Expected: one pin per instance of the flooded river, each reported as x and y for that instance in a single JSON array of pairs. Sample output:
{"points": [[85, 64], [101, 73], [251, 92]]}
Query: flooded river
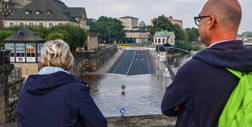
{"points": [[143, 93]]}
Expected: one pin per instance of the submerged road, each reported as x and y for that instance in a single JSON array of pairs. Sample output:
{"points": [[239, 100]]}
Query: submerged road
{"points": [[133, 62]]}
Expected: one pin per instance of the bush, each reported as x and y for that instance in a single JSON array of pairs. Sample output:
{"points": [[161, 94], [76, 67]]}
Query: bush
{"points": [[197, 48]]}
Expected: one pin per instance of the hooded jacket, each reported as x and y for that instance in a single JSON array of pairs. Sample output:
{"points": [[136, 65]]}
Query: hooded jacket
{"points": [[202, 86], [57, 100]]}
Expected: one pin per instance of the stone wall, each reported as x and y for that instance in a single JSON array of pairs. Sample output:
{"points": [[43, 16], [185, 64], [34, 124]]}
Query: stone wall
{"points": [[9, 89], [14, 87], [132, 121], [5, 70], [92, 60], [142, 121], [27, 68], [98, 58]]}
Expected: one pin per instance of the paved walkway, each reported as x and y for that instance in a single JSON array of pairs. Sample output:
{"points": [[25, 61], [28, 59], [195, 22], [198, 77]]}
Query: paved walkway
{"points": [[158, 69]]}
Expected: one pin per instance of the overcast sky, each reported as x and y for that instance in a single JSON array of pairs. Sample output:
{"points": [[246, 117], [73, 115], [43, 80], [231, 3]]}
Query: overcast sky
{"points": [[147, 9]]}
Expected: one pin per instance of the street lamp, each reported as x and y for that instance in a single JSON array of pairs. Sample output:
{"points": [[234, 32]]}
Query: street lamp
{"points": [[166, 74]]}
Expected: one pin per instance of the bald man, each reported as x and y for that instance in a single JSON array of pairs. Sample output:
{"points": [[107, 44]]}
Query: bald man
{"points": [[202, 86]]}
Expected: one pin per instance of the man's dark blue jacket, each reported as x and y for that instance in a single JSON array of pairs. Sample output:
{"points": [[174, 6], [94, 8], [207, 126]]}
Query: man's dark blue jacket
{"points": [[57, 100], [202, 86]]}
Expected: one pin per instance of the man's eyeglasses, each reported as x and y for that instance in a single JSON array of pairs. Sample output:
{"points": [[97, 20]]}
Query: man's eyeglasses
{"points": [[197, 19]]}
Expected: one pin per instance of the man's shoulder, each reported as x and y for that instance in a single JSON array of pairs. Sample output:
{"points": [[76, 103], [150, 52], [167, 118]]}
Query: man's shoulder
{"points": [[193, 64]]}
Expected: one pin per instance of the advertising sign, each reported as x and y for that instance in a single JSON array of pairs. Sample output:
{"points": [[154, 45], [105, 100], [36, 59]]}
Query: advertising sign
{"points": [[162, 56]]}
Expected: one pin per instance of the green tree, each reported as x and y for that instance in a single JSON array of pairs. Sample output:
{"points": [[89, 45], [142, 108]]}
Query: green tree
{"points": [[178, 32], [60, 34], [91, 22], [161, 23], [6, 32], [193, 33], [110, 29], [247, 34], [73, 35], [184, 45], [39, 30]]}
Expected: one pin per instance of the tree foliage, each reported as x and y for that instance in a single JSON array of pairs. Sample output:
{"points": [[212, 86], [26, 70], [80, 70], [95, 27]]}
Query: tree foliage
{"points": [[73, 35], [110, 29], [184, 45], [162, 23], [247, 34], [191, 34]]}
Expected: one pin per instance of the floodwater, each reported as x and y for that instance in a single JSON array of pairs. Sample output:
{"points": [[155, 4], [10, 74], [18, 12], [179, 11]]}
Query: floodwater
{"points": [[142, 96]]}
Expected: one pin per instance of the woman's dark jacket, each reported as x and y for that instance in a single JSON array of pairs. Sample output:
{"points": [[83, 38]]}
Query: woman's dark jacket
{"points": [[202, 86], [57, 100]]}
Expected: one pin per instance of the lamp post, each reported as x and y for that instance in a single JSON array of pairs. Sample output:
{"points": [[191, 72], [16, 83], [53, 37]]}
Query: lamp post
{"points": [[166, 74]]}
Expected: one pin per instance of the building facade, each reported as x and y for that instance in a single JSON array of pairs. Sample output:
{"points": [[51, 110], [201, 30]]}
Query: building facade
{"points": [[163, 37], [129, 22], [7, 7], [138, 35], [133, 29], [25, 47], [47, 13]]}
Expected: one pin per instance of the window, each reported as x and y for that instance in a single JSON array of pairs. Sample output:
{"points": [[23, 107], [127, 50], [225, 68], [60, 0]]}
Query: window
{"points": [[50, 25], [41, 24], [31, 24], [163, 40], [38, 12], [10, 46], [28, 12], [49, 12], [30, 52], [21, 24], [11, 24], [159, 40], [20, 51]]}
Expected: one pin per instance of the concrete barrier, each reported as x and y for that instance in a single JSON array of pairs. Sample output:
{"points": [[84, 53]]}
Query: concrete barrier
{"points": [[131, 121]]}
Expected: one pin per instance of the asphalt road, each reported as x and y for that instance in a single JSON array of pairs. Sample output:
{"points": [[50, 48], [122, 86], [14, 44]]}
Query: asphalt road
{"points": [[133, 62]]}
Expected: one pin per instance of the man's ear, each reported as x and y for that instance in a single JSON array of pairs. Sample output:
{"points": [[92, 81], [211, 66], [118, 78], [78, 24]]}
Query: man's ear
{"points": [[212, 22]]}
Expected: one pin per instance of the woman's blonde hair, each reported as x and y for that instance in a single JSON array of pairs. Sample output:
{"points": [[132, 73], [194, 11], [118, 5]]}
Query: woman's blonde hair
{"points": [[56, 53]]}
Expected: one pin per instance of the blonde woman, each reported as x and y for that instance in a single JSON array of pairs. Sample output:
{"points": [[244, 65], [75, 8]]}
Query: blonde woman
{"points": [[53, 97]]}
